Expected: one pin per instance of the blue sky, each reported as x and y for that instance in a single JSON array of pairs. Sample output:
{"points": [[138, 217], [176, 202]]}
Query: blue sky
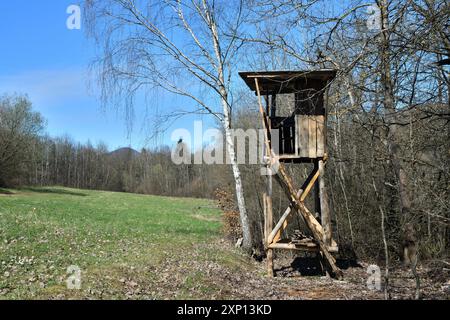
{"points": [[42, 58]]}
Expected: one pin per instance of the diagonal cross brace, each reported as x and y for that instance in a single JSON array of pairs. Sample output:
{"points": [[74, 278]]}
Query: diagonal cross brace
{"points": [[302, 194], [286, 183], [275, 234]]}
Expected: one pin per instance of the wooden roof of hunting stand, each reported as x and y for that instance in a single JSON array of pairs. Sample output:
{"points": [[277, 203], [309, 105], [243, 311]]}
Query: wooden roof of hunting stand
{"points": [[297, 138], [279, 82]]}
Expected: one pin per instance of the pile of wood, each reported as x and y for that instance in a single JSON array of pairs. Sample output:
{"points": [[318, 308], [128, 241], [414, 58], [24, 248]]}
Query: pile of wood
{"points": [[231, 220], [225, 199], [299, 237]]}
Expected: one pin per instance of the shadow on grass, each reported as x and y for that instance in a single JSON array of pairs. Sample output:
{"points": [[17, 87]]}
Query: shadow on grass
{"points": [[304, 266], [308, 266], [312, 266], [6, 192], [54, 191], [347, 263]]}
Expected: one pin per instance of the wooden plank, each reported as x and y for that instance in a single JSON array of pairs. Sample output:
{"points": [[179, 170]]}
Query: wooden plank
{"points": [[302, 194], [268, 197], [265, 120], [296, 202], [275, 235], [300, 246], [309, 186], [292, 246], [303, 136], [317, 193], [320, 136], [269, 205], [312, 137], [269, 223], [280, 230]]}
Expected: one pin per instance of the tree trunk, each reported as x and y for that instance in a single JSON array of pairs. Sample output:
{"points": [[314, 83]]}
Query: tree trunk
{"points": [[389, 104], [409, 241], [247, 231], [249, 236]]}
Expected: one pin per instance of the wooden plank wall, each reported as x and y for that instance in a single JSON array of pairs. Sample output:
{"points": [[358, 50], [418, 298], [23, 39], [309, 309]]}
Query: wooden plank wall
{"points": [[321, 136], [303, 135], [310, 136]]}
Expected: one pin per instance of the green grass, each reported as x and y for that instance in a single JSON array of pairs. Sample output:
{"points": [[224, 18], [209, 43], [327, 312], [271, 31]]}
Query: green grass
{"points": [[127, 245]]}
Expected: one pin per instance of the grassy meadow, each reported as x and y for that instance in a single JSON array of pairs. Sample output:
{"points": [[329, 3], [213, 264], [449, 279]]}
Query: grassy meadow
{"points": [[126, 245], [130, 246]]}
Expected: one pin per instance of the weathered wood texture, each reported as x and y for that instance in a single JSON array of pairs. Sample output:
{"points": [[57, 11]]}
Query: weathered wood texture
{"points": [[310, 131], [269, 223], [302, 135], [315, 227], [275, 235], [321, 137]]}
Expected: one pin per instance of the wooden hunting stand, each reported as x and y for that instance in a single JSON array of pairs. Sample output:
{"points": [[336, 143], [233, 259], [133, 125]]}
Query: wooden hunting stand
{"points": [[297, 137]]}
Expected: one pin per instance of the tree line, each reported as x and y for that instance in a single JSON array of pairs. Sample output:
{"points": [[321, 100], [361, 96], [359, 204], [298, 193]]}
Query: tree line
{"points": [[29, 157]]}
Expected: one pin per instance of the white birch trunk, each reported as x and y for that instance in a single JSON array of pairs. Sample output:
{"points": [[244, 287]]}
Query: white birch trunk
{"points": [[245, 221]]}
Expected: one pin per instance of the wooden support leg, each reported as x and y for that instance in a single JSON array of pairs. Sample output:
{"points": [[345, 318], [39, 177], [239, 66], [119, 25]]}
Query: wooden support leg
{"points": [[323, 263], [268, 214], [317, 206], [270, 271]]}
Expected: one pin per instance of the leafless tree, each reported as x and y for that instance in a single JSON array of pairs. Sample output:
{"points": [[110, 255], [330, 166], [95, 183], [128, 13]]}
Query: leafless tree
{"points": [[188, 48], [393, 78]]}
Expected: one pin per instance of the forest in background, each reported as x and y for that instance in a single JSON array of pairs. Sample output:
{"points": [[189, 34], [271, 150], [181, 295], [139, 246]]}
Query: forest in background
{"points": [[29, 157], [357, 174], [388, 171]]}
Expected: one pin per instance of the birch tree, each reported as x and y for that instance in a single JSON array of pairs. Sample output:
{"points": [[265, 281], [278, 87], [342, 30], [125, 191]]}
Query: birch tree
{"points": [[187, 48]]}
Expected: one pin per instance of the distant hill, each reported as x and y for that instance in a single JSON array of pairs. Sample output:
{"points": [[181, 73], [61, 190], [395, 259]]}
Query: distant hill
{"points": [[124, 153]]}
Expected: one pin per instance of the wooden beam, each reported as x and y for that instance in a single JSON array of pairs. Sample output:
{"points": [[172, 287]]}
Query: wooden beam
{"points": [[292, 246], [269, 223], [265, 120], [309, 186], [317, 193], [303, 135], [312, 137], [274, 236], [320, 136], [300, 246]]}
